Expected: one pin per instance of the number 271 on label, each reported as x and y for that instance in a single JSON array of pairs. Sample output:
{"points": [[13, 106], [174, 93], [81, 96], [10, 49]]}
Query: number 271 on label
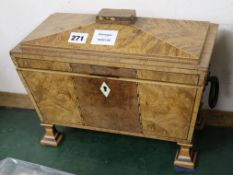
{"points": [[80, 38]]}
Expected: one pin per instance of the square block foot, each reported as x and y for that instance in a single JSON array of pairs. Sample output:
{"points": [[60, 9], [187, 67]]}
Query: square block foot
{"points": [[185, 158], [52, 141]]}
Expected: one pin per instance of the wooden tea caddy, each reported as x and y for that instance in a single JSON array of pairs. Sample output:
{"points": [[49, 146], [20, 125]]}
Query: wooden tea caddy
{"points": [[154, 73]]}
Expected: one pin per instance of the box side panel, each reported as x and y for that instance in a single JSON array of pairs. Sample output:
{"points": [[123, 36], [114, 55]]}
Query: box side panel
{"points": [[54, 96], [166, 110]]}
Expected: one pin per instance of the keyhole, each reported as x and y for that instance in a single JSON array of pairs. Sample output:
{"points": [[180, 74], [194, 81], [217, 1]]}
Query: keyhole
{"points": [[105, 89]]}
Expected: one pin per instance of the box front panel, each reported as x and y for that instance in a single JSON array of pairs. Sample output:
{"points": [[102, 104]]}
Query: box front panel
{"points": [[166, 110], [54, 96], [154, 109], [117, 109]]}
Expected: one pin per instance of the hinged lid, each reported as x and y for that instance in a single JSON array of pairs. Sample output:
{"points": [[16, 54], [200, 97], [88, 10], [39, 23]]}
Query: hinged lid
{"points": [[149, 39]]}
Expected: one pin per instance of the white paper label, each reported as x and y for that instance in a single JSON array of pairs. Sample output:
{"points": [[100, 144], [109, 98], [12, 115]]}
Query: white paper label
{"points": [[79, 38], [104, 37]]}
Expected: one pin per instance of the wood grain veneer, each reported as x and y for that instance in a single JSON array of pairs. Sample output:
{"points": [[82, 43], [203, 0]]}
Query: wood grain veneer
{"points": [[155, 71]]}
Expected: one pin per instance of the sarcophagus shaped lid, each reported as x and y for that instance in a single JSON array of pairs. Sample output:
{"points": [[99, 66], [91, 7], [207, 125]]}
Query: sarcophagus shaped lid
{"points": [[148, 39]]}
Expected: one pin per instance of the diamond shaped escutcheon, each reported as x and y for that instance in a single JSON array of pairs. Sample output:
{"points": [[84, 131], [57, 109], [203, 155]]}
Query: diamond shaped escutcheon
{"points": [[105, 89]]}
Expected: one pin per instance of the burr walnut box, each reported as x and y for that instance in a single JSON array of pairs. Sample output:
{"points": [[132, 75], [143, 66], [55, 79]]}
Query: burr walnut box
{"points": [[120, 74]]}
